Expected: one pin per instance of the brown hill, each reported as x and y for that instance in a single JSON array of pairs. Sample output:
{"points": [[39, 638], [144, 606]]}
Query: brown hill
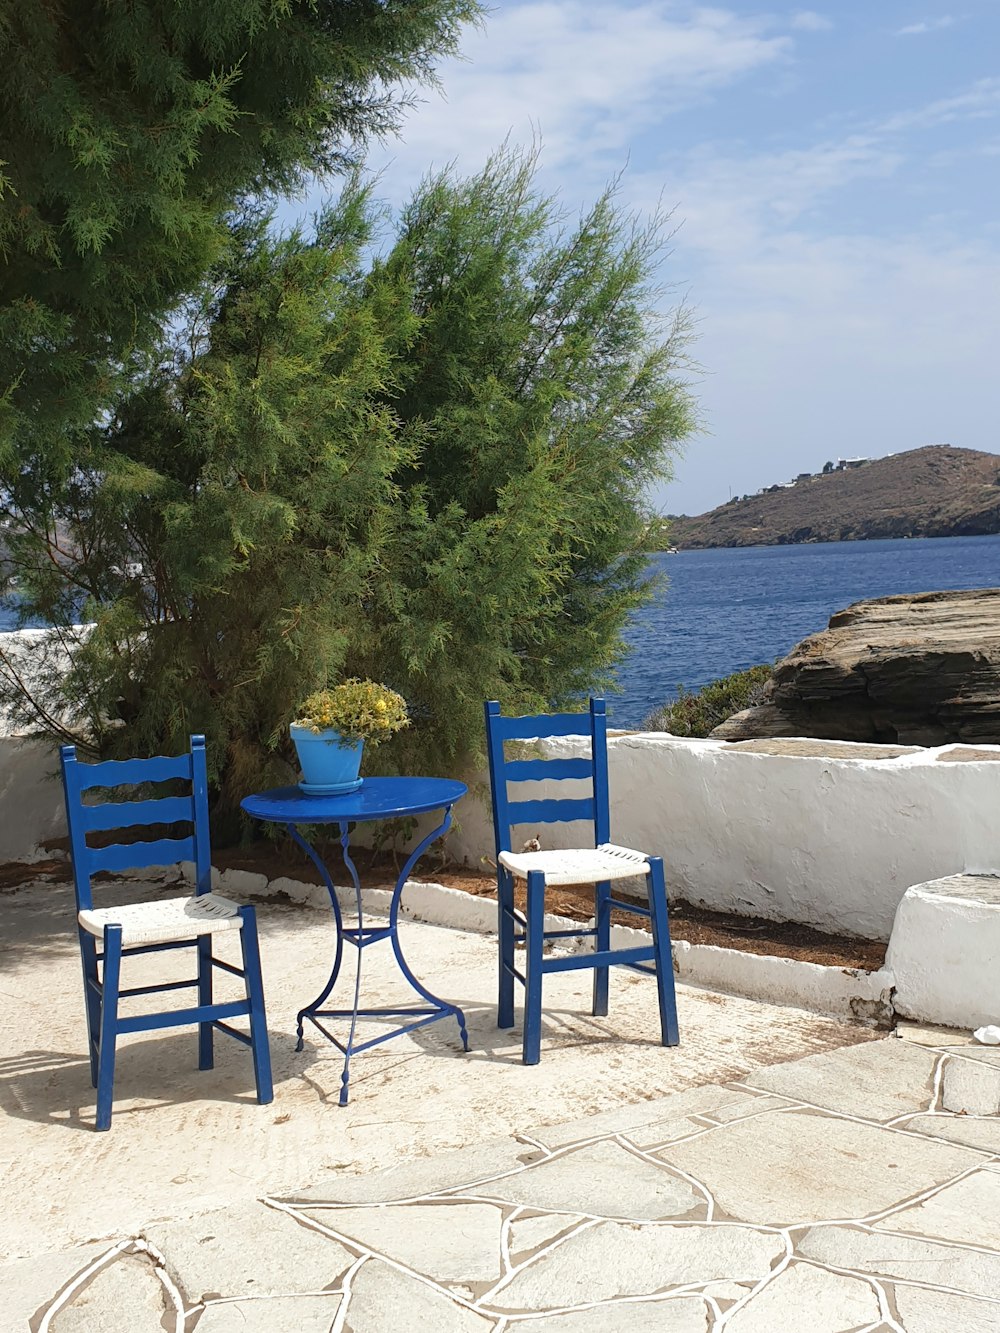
{"points": [[937, 491]]}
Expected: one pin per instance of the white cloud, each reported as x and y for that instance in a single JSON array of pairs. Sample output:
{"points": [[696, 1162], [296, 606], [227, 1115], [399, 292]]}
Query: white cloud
{"points": [[726, 190], [807, 20], [738, 194], [928, 25], [978, 102], [586, 78]]}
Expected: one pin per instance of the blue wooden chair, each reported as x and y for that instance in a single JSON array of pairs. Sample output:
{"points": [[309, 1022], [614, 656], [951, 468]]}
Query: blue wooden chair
{"points": [[598, 865], [174, 923]]}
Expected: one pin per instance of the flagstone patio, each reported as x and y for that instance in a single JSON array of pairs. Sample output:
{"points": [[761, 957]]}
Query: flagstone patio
{"points": [[778, 1172]]}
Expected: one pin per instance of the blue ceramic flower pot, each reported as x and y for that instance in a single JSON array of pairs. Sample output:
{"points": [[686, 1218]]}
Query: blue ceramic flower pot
{"points": [[330, 765]]}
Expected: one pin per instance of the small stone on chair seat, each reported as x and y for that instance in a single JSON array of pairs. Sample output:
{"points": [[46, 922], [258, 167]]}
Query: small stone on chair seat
{"points": [[162, 922]]}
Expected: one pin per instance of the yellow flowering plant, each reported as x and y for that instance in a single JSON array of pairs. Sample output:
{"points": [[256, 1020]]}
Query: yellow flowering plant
{"points": [[360, 710]]}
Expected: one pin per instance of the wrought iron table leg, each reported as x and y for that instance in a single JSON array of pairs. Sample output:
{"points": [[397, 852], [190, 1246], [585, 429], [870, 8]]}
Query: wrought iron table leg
{"points": [[361, 938], [397, 895], [338, 922], [352, 868]]}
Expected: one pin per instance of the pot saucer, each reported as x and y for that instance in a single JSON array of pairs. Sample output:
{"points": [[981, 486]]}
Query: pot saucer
{"points": [[329, 788]]}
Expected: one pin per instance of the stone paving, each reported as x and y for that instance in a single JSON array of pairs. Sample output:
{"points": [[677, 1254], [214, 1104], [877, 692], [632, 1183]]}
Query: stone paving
{"points": [[185, 1142], [852, 1190]]}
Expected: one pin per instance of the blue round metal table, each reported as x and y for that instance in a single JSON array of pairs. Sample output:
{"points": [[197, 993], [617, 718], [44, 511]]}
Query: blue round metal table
{"points": [[377, 798]]}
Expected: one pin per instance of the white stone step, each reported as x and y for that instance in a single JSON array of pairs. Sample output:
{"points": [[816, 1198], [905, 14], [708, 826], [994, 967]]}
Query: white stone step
{"points": [[944, 951]]}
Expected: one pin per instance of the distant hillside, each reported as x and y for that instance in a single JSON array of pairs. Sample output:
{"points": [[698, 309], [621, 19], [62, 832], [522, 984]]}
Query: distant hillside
{"points": [[937, 491]]}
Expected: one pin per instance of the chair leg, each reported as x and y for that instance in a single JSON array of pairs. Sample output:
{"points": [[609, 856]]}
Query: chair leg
{"points": [[660, 922], [206, 1054], [532, 1042], [109, 1024], [602, 942], [255, 996], [91, 998], [505, 934]]}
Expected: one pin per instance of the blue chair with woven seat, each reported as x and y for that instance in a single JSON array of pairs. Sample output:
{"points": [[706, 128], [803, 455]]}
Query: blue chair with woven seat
{"points": [[152, 927], [599, 865]]}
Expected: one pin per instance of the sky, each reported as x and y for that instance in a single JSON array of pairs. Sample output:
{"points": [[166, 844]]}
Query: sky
{"points": [[832, 175]]}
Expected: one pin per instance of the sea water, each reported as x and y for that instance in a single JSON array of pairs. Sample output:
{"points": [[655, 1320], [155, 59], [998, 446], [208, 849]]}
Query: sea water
{"points": [[722, 611], [725, 610]]}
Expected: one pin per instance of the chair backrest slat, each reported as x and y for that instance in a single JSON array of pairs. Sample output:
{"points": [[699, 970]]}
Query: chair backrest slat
{"points": [[551, 811], [592, 807], [545, 770], [104, 816], [131, 772], [541, 726], [123, 814], [135, 855]]}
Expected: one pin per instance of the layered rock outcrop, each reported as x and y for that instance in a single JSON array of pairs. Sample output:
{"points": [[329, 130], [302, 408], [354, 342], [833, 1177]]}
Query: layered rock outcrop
{"points": [[912, 670]]}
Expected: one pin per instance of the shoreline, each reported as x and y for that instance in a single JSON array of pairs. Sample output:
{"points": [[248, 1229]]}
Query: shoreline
{"points": [[839, 541]]}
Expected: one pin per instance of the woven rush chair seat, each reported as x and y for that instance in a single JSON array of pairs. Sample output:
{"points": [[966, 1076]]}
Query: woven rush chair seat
{"points": [[165, 921], [578, 865]]}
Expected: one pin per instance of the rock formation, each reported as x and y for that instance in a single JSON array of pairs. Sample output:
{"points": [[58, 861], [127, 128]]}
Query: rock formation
{"points": [[912, 670]]}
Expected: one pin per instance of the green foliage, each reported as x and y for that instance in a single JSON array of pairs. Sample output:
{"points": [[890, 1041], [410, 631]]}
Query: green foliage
{"points": [[548, 387], [247, 473], [130, 129], [699, 713], [359, 710], [426, 469]]}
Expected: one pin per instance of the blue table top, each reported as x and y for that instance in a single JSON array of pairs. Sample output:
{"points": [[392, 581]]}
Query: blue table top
{"points": [[376, 798]]}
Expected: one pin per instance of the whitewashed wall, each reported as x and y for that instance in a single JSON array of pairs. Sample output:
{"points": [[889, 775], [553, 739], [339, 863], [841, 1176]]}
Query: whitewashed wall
{"points": [[31, 802], [828, 842]]}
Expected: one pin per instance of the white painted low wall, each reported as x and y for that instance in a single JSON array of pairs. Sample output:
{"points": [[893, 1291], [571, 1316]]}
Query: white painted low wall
{"points": [[31, 800], [832, 842], [829, 842]]}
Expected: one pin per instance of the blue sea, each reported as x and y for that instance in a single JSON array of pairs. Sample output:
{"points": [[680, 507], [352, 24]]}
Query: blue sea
{"points": [[723, 611]]}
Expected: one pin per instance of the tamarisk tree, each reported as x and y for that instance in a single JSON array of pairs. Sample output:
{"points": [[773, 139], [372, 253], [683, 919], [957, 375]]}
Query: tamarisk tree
{"points": [[128, 128], [549, 384], [427, 467]]}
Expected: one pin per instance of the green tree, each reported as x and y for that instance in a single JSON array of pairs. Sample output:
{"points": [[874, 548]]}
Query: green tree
{"points": [[429, 468], [128, 128], [220, 525], [547, 381]]}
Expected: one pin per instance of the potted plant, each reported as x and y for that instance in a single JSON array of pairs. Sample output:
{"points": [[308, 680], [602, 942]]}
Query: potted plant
{"points": [[331, 728]]}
